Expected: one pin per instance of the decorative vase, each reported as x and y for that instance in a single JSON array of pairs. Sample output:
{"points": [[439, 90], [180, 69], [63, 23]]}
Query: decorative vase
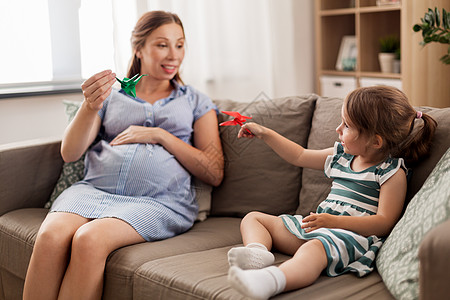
{"points": [[397, 66], [386, 62]]}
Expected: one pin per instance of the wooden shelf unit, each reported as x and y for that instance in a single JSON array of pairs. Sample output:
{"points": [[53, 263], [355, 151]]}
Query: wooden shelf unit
{"points": [[368, 22]]}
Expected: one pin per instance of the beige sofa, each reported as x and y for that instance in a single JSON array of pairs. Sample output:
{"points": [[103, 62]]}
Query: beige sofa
{"points": [[194, 265]]}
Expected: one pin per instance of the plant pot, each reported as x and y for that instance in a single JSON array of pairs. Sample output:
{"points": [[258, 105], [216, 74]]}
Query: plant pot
{"points": [[397, 66], [386, 62]]}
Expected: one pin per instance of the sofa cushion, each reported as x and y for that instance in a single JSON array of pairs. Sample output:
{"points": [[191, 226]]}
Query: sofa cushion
{"points": [[256, 178], [398, 261], [315, 185], [203, 275], [18, 231], [123, 263]]}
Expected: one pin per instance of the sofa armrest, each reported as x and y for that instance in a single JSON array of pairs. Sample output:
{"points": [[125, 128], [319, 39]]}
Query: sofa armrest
{"points": [[28, 173], [434, 266]]}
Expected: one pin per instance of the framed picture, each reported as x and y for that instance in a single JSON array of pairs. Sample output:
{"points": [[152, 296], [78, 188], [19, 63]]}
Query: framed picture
{"points": [[346, 60]]}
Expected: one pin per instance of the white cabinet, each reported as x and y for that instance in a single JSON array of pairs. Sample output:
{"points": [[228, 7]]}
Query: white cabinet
{"points": [[372, 81], [337, 86]]}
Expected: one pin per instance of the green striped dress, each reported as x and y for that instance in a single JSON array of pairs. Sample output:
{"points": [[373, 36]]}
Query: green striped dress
{"points": [[352, 194]]}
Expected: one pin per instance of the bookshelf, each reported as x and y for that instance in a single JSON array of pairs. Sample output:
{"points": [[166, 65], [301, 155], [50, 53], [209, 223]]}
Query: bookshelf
{"points": [[368, 22]]}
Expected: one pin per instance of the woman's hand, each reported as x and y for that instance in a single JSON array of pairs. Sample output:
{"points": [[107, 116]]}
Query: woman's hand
{"points": [[255, 129], [139, 135], [97, 88], [315, 221]]}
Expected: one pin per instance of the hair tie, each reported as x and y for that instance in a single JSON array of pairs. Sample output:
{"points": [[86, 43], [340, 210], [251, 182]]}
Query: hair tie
{"points": [[419, 115]]}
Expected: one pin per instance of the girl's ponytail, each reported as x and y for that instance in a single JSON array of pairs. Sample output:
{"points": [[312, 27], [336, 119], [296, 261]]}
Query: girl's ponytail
{"points": [[418, 142]]}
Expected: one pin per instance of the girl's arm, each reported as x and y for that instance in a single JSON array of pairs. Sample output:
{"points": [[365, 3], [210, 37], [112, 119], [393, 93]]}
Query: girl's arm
{"points": [[287, 149], [390, 206], [204, 161], [83, 129]]}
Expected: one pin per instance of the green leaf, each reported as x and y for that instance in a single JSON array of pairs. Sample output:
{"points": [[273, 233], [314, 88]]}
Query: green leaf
{"points": [[431, 15], [448, 20], [445, 22], [445, 59], [429, 19], [443, 40], [438, 17]]}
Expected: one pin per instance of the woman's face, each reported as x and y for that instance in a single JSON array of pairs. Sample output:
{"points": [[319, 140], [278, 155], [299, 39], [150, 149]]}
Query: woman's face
{"points": [[163, 52]]}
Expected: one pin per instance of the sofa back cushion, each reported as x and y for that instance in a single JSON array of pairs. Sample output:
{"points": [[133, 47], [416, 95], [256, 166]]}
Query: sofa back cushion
{"points": [[256, 178], [315, 185]]}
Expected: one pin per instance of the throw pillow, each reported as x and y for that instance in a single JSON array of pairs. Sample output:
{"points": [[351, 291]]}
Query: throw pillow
{"points": [[397, 261], [255, 177], [74, 171]]}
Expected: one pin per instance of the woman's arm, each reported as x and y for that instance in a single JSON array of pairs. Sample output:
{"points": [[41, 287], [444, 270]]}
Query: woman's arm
{"points": [[83, 129], [287, 149], [390, 206], [204, 161]]}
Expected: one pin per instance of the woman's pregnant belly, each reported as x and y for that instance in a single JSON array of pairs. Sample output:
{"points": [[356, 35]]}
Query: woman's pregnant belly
{"points": [[136, 170]]}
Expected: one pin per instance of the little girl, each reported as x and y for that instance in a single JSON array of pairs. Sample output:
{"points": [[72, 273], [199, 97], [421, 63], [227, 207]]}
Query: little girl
{"points": [[366, 199]]}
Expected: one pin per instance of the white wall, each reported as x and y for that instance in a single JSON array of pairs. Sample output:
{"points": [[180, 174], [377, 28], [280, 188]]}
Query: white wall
{"points": [[31, 118], [294, 34]]}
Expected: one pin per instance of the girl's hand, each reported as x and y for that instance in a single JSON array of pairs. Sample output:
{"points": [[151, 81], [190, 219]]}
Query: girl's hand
{"points": [[97, 88], [256, 130], [139, 135], [315, 221]]}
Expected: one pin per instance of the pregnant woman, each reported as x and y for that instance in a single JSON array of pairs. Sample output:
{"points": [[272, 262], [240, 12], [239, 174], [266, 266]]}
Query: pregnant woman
{"points": [[140, 154]]}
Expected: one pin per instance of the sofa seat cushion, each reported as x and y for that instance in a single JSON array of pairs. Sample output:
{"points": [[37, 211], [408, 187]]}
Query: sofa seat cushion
{"points": [[123, 263], [203, 275], [18, 231]]}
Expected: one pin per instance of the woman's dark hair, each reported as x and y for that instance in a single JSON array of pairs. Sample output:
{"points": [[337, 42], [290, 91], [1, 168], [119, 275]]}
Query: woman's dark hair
{"points": [[386, 111], [146, 24]]}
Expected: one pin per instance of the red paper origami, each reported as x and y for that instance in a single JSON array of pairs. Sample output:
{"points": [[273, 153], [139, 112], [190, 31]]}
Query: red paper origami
{"points": [[238, 120]]}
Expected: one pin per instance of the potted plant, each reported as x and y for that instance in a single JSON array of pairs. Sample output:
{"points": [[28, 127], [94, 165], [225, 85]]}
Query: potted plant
{"points": [[397, 62], [389, 45], [435, 30]]}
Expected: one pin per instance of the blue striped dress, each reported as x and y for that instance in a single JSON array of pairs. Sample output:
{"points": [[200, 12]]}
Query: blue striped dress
{"points": [[352, 194], [141, 184]]}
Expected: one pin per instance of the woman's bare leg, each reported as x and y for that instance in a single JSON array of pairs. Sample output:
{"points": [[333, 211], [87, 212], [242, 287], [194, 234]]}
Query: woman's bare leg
{"points": [[91, 245], [50, 255]]}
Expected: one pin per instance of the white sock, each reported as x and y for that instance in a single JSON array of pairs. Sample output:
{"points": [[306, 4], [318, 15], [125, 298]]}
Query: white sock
{"points": [[257, 284], [252, 256]]}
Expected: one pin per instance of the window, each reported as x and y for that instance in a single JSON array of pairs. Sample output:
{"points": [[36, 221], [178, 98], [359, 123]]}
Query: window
{"points": [[52, 45]]}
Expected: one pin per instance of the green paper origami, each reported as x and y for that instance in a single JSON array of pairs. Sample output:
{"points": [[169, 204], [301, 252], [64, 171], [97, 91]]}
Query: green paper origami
{"points": [[129, 84]]}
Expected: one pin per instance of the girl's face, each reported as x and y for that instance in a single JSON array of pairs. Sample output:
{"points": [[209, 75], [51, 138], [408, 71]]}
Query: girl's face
{"points": [[354, 143], [163, 52]]}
